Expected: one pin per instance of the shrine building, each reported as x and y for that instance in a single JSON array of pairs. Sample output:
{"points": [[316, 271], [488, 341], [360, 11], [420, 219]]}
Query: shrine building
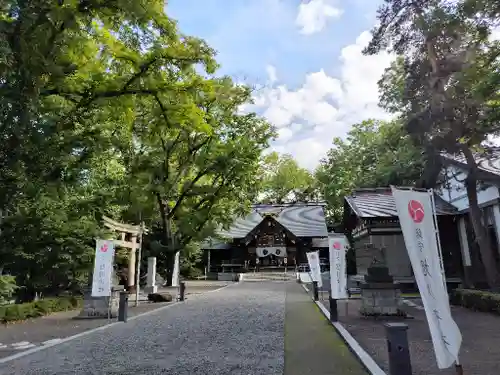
{"points": [[270, 237]]}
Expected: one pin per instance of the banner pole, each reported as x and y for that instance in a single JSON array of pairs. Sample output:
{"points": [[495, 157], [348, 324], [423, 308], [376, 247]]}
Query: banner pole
{"points": [[458, 366], [438, 239]]}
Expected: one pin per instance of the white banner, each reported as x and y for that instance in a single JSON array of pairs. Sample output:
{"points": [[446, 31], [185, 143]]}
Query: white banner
{"points": [[103, 268], [279, 251], [338, 270], [313, 260], [416, 217]]}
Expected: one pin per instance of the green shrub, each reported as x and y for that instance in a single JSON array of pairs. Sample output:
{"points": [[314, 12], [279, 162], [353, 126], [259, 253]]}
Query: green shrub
{"points": [[477, 300], [7, 287], [23, 311]]}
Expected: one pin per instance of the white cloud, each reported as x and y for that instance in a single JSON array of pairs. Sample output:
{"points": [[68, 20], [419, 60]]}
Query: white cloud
{"points": [[314, 15], [271, 72], [324, 106], [285, 134]]}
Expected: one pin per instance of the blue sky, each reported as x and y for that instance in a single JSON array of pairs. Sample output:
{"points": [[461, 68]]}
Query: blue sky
{"points": [[304, 55]]}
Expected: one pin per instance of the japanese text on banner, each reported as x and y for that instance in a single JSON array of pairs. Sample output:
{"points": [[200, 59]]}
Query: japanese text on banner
{"points": [[314, 266], [103, 268], [338, 274], [416, 217]]}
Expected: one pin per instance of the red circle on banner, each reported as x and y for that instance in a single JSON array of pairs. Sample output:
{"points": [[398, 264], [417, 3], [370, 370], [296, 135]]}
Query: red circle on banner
{"points": [[104, 248], [336, 245], [416, 211]]}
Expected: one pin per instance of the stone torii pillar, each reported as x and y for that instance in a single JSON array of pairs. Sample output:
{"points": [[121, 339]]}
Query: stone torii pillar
{"points": [[134, 231]]}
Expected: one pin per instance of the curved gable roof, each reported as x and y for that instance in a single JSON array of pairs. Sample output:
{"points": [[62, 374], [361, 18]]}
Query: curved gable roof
{"points": [[303, 220]]}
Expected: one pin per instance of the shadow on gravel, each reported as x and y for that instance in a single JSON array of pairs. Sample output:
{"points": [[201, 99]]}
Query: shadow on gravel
{"points": [[312, 347]]}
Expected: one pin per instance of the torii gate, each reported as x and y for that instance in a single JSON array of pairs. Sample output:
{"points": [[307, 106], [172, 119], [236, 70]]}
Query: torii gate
{"points": [[136, 231]]}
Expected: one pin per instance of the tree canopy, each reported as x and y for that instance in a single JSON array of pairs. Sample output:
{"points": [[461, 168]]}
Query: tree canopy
{"points": [[374, 154], [106, 108], [444, 86], [284, 181]]}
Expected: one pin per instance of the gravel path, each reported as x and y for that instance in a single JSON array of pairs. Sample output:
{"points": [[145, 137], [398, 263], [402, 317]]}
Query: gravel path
{"points": [[235, 330], [20, 336]]}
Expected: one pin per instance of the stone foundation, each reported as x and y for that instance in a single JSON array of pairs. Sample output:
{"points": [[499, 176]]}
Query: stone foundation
{"points": [[381, 299], [100, 307], [380, 295]]}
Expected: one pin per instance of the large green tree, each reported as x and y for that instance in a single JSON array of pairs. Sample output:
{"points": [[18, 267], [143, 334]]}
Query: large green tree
{"points": [[374, 154], [195, 169], [285, 181], [445, 84], [103, 110]]}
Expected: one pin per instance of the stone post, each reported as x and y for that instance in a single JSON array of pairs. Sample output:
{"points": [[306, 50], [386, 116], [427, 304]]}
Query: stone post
{"points": [[398, 349], [123, 307], [175, 274], [151, 277], [132, 265], [334, 313]]}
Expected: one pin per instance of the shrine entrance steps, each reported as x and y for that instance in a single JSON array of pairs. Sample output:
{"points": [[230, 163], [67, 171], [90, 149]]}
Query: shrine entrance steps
{"points": [[268, 276]]}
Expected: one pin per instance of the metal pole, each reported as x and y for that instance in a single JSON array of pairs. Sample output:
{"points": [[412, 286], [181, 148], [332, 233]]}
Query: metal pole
{"points": [[138, 267], [438, 239], [458, 366], [315, 290]]}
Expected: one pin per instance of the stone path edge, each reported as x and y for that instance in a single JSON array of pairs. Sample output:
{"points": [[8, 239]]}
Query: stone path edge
{"points": [[82, 334], [364, 358]]}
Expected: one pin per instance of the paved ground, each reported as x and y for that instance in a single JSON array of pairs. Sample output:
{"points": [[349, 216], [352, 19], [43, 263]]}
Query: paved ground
{"points": [[479, 355], [21, 336], [255, 328], [236, 330], [312, 347]]}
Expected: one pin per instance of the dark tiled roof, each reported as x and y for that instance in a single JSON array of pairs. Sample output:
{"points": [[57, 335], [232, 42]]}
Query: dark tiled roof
{"points": [[373, 203], [303, 220], [215, 244], [488, 161]]}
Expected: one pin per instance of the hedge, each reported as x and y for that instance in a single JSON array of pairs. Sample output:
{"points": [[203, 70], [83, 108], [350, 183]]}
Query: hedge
{"points": [[29, 310], [477, 300]]}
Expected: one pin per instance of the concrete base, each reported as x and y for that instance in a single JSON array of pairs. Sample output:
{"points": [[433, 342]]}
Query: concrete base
{"points": [[381, 299], [100, 307]]}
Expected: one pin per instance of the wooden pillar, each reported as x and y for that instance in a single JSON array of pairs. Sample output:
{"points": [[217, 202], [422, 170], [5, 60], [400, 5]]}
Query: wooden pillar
{"points": [[131, 265], [465, 250], [496, 220]]}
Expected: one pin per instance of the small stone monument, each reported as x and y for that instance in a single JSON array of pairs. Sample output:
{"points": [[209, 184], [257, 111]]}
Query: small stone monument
{"points": [[151, 286], [380, 295]]}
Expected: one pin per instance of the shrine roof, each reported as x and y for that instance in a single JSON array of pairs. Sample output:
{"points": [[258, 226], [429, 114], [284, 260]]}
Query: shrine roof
{"points": [[379, 203], [302, 219], [487, 161]]}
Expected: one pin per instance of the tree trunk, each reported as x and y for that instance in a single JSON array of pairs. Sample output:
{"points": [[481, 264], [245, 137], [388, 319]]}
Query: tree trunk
{"points": [[167, 235], [488, 260], [432, 169]]}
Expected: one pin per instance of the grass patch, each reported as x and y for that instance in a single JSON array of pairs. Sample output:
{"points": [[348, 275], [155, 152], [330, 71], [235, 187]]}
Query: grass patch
{"points": [[312, 346]]}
